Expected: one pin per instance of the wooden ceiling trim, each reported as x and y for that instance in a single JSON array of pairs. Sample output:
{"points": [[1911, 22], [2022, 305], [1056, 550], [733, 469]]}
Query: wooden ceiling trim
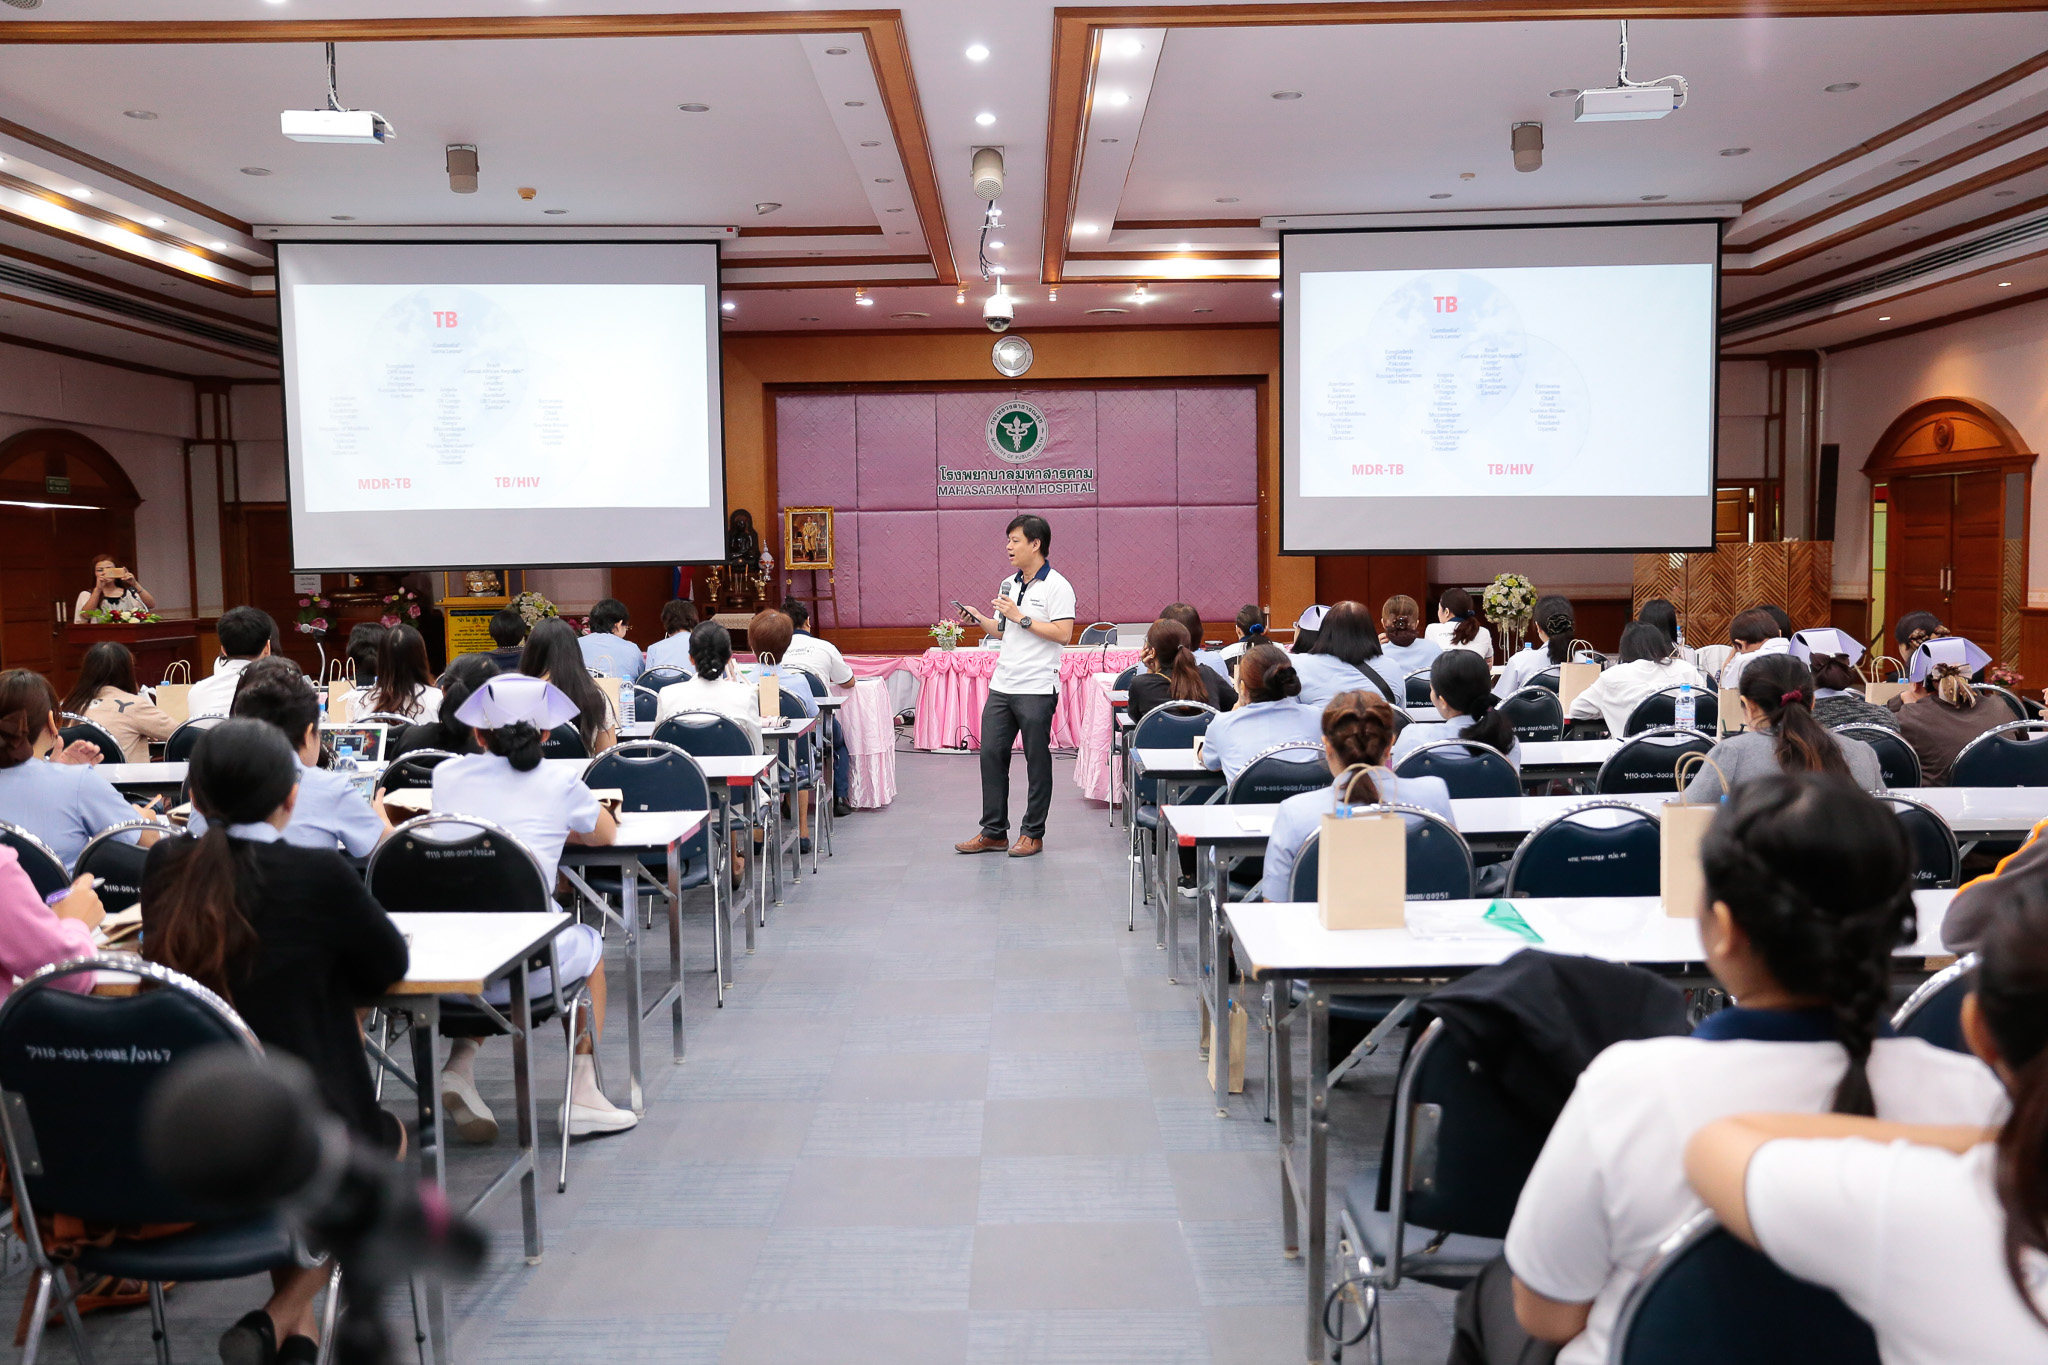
{"points": [[1892, 301], [111, 219], [114, 282], [22, 133]]}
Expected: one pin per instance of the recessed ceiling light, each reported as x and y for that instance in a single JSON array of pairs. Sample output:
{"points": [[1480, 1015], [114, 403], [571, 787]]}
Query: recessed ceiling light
{"points": [[218, 246], [1108, 140], [1286, 94], [1839, 194], [1910, 227], [835, 52], [902, 232], [1130, 47], [2003, 194], [2005, 284], [1227, 199], [871, 143], [694, 108], [1107, 312], [1276, 293], [1084, 229], [984, 118], [885, 180], [1564, 94], [255, 170], [728, 305], [892, 210], [1982, 126], [1831, 258], [1439, 196], [907, 317], [554, 210], [1118, 97], [855, 104], [1909, 161], [156, 222], [995, 246], [342, 217], [977, 53], [81, 192], [1841, 87], [1774, 222], [1886, 318], [1652, 198], [146, 115], [1735, 151]]}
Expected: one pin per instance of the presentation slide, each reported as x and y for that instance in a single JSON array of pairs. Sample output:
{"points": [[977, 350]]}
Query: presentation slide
{"points": [[502, 404], [1500, 389]]}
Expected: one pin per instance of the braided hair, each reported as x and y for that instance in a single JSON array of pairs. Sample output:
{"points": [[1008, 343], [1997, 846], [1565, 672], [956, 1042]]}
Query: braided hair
{"points": [[1818, 874], [1780, 686], [1359, 728], [1555, 619]]}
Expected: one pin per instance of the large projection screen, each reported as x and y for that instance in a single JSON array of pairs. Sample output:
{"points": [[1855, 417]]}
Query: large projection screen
{"points": [[1499, 389], [451, 405]]}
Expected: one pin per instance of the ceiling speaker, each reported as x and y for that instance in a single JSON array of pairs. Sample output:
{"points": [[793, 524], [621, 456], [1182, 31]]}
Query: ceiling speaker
{"points": [[25, 4], [988, 173]]}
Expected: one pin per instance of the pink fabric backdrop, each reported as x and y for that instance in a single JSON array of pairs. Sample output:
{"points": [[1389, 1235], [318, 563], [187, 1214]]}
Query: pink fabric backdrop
{"points": [[955, 684], [1173, 515]]}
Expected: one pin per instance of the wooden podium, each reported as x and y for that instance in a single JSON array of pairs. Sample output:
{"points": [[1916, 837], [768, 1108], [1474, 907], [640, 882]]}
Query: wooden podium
{"points": [[155, 646]]}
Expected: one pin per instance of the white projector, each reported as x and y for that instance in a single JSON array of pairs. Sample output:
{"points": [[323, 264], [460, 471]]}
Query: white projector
{"points": [[1624, 102], [335, 125]]}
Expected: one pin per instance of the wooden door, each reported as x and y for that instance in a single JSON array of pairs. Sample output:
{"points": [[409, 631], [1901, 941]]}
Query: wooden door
{"points": [[45, 560], [1977, 557], [1917, 557]]}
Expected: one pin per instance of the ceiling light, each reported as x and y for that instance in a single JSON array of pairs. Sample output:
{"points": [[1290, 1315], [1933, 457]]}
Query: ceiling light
{"points": [[255, 170], [2005, 284], [885, 180], [342, 217], [1885, 318], [960, 295], [1982, 126], [146, 115], [1118, 97], [1107, 140], [218, 246], [1276, 293], [977, 53], [806, 319], [902, 232], [1052, 295], [1286, 95], [728, 306], [892, 210], [1142, 296], [1735, 151], [768, 206], [1564, 94], [1909, 161], [1841, 87], [855, 104], [1130, 47], [1652, 198], [1084, 229], [79, 191], [694, 108], [907, 317], [1104, 312], [554, 210], [1227, 199], [1205, 310], [156, 222], [995, 246], [835, 52], [984, 118], [871, 143], [1439, 196], [1839, 194]]}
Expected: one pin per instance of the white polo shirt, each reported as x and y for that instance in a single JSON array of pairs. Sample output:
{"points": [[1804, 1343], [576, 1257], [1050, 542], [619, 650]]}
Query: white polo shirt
{"points": [[1030, 663]]}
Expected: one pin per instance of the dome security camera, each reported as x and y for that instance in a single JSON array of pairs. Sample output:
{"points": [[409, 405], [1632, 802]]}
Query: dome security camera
{"points": [[998, 312]]}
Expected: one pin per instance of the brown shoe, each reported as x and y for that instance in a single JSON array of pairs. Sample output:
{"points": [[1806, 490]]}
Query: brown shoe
{"points": [[1026, 846], [980, 843]]}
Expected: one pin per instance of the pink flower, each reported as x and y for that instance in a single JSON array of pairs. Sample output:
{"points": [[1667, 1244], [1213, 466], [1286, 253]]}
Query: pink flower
{"points": [[413, 610], [387, 621], [305, 602], [319, 623]]}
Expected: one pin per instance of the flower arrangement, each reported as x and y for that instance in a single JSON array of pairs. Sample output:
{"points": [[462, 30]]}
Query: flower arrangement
{"points": [[947, 633], [313, 618], [533, 608], [1999, 675], [102, 616], [400, 608], [1509, 601]]}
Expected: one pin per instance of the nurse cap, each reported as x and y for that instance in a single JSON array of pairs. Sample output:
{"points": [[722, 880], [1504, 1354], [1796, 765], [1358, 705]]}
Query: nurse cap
{"points": [[513, 697], [1824, 640], [1312, 619], [1946, 649]]}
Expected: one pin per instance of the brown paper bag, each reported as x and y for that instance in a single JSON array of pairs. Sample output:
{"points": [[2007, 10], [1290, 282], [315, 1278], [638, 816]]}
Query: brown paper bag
{"points": [[1573, 679], [1362, 880], [340, 711], [1731, 718], [609, 685], [1235, 1034], [770, 688], [1876, 691], [173, 692], [1681, 884]]}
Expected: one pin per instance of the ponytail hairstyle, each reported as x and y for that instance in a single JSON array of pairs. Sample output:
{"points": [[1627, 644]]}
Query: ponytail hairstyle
{"points": [[242, 771], [1251, 624], [1401, 619], [1168, 641], [1190, 621], [1818, 874], [2012, 999], [1465, 683], [1951, 683], [710, 650], [26, 703], [1640, 640], [1834, 672], [1359, 728], [1458, 603], [1780, 686], [1555, 619], [1267, 674], [552, 653], [361, 650], [1348, 633]]}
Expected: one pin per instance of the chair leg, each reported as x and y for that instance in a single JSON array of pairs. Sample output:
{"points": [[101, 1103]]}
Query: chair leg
{"points": [[159, 1330], [38, 1315], [67, 1300], [330, 1314], [569, 1091]]}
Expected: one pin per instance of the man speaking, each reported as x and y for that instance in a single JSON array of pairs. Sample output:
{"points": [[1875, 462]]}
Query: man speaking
{"points": [[1036, 607]]}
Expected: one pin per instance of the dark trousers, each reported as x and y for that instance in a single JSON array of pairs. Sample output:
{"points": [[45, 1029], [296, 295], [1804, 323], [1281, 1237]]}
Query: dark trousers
{"points": [[1003, 717], [1485, 1330], [842, 763]]}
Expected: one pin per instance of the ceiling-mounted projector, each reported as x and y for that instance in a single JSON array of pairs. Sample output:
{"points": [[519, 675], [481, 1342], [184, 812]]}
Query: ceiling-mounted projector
{"points": [[1628, 100], [334, 123]]}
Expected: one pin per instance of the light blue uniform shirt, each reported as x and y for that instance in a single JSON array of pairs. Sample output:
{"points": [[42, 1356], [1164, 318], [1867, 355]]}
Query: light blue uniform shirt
{"points": [[1396, 662], [1302, 815], [328, 812], [1421, 733], [671, 652], [613, 654], [1237, 737], [1323, 676], [63, 804]]}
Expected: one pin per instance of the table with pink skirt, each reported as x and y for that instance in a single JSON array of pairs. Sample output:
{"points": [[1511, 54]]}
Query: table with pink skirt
{"points": [[867, 724], [955, 684], [1098, 778]]}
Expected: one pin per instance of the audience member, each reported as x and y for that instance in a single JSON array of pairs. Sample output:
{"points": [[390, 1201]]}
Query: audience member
{"points": [[114, 588], [1341, 659], [1461, 686], [1660, 613], [821, 659], [1405, 649], [245, 636], [34, 932], [1358, 730], [1933, 1228], [1838, 698], [403, 684], [1457, 624], [1267, 713], [291, 938], [1783, 736], [1649, 665], [1808, 890], [508, 633], [672, 650], [551, 654], [606, 648], [1755, 635], [544, 807], [1915, 629], [1306, 627], [1939, 712], [1171, 673], [107, 696], [1781, 618], [465, 673], [1558, 624], [1251, 628], [1191, 621], [61, 801], [770, 632], [713, 688]]}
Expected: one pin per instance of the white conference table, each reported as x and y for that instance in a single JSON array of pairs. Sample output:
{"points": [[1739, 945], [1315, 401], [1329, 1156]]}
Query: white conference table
{"points": [[1285, 942]]}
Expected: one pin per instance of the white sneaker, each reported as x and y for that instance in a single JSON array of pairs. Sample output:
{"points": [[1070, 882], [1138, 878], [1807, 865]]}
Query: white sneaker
{"points": [[463, 1107], [585, 1119]]}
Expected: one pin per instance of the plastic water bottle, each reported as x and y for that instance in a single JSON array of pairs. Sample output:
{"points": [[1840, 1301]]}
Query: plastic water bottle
{"points": [[1682, 712]]}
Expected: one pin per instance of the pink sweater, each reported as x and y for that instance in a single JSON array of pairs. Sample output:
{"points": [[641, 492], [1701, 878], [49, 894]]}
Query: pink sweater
{"points": [[32, 935]]}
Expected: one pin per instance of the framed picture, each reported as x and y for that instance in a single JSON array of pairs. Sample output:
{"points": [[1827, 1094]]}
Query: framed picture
{"points": [[807, 537]]}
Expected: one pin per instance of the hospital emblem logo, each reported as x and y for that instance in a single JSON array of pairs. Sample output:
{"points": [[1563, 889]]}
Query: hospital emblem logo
{"points": [[1016, 432]]}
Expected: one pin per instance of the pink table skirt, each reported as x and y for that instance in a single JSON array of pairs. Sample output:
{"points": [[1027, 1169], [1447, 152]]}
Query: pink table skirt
{"points": [[868, 724], [880, 665], [955, 685], [1097, 778]]}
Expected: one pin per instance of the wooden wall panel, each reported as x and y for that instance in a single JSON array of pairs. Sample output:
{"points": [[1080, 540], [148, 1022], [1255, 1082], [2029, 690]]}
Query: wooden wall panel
{"points": [[1711, 588]]}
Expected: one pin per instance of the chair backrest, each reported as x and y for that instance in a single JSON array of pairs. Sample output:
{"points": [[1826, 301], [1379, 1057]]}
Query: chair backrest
{"points": [[1648, 762], [1123, 679], [456, 863], [651, 775], [118, 862], [1462, 1150], [1933, 1013], [1711, 659], [77, 1071], [1709, 1299], [1170, 725], [1895, 758], [1937, 859], [2012, 703], [77, 727], [707, 734], [1536, 714], [1659, 711], [1439, 860], [413, 771], [646, 701], [1102, 632], [1577, 854], [564, 741], [178, 748], [1468, 768], [1416, 688], [812, 680], [2014, 754], [1280, 772], [663, 676], [43, 866], [1548, 679]]}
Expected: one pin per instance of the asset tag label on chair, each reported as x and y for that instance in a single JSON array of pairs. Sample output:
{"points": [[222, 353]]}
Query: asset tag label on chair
{"points": [[1362, 879]]}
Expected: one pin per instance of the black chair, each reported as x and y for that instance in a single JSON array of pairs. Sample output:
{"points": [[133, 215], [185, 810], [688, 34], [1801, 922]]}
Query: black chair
{"points": [[77, 727], [706, 734], [178, 748], [1123, 679], [1417, 688], [45, 869], [655, 679], [564, 741], [2012, 702], [1937, 860], [1536, 714], [1548, 679], [1933, 1013], [1277, 773], [1659, 711], [1895, 758], [73, 1129], [816, 684], [1708, 1299], [1104, 632], [1170, 725], [2014, 754], [413, 771], [118, 862], [1569, 855], [645, 701], [651, 775], [1440, 866], [1468, 768], [1648, 762]]}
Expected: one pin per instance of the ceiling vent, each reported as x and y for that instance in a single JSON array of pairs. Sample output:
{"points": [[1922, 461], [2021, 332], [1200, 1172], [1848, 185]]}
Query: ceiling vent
{"points": [[26, 4], [57, 286]]}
